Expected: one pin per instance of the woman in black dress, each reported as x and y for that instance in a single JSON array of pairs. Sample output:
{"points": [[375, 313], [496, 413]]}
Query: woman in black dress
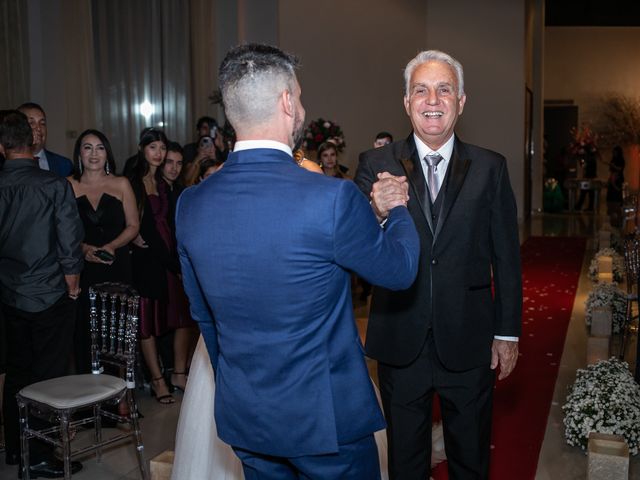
{"points": [[107, 207]]}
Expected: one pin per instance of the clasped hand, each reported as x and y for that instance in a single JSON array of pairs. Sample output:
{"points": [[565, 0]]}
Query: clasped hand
{"points": [[387, 193]]}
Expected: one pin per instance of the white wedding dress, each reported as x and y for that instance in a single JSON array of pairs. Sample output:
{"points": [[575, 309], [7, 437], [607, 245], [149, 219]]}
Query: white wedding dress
{"points": [[201, 455]]}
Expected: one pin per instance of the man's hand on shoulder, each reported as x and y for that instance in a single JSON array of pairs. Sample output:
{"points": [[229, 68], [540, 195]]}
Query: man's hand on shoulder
{"points": [[387, 193], [505, 354]]}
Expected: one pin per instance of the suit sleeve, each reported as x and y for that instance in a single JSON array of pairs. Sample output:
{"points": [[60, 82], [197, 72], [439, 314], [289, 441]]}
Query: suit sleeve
{"points": [[365, 177], [506, 259], [69, 230], [199, 307], [389, 257]]}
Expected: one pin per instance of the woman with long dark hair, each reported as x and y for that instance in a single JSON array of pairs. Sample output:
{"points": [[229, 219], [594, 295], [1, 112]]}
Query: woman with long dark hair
{"points": [[107, 207], [163, 304]]}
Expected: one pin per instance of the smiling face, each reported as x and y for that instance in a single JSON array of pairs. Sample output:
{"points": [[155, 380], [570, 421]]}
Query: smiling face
{"points": [[432, 102], [93, 154], [154, 153], [172, 166], [38, 123]]}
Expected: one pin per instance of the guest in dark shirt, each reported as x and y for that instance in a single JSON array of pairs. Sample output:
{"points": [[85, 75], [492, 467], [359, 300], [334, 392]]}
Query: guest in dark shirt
{"points": [[40, 264]]}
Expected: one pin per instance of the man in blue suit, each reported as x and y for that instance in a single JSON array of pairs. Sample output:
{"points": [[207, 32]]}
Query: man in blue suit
{"points": [[267, 249], [47, 160]]}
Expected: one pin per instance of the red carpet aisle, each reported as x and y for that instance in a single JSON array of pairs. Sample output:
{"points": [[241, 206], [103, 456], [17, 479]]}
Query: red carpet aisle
{"points": [[550, 272]]}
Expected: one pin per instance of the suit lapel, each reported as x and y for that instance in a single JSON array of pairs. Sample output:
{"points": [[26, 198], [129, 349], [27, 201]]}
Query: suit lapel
{"points": [[459, 166], [412, 168]]}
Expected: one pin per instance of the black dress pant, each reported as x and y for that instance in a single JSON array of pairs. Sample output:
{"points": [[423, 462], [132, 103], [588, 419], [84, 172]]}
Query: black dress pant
{"points": [[465, 401], [38, 348]]}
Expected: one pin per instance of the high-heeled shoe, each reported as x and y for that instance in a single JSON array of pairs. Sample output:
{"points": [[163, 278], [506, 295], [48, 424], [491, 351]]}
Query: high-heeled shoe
{"points": [[175, 385], [162, 399]]}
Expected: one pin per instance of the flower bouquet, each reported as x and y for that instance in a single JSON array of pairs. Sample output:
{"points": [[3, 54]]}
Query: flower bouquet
{"points": [[605, 399], [617, 267], [320, 131], [607, 295], [584, 141]]}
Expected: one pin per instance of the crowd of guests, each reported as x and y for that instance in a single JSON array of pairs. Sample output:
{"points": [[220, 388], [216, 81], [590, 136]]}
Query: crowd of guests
{"points": [[126, 233]]}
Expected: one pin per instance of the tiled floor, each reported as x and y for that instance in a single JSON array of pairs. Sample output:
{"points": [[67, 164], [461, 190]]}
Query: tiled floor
{"points": [[557, 460]]}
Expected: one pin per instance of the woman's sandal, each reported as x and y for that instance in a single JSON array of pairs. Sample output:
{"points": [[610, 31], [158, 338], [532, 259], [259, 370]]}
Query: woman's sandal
{"points": [[179, 387], [162, 399]]}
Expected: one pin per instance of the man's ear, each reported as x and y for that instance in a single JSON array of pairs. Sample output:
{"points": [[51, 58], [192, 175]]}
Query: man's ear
{"points": [[287, 103]]}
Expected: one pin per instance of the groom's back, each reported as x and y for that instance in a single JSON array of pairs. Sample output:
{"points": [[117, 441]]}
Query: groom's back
{"points": [[261, 237]]}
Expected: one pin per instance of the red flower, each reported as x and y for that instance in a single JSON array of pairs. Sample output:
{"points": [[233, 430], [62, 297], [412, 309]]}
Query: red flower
{"points": [[318, 138]]}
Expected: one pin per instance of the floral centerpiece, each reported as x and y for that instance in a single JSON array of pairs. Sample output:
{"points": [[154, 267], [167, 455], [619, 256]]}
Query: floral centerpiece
{"points": [[320, 131], [607, 295], [605, 399], [584, 141], [617, 267]]}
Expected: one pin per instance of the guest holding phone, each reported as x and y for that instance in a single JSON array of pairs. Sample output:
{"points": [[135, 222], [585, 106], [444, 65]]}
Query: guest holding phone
{"points": [[109, 215], [206, 151]]}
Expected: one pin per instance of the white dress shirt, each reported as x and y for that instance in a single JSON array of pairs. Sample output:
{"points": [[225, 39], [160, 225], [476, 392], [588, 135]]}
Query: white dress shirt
{"points": [[43, 163], [445, 151], [251, 144]]}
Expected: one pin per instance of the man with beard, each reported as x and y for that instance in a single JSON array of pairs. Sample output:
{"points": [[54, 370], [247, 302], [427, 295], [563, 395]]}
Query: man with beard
{"points": [[267, 249]]}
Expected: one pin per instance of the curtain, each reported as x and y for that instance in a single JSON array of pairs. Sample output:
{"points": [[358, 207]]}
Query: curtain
{"points": [[14, 53], [142, 70]]}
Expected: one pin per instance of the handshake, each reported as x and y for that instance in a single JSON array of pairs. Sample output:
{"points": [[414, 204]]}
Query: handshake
{"points": [[387, 193]]}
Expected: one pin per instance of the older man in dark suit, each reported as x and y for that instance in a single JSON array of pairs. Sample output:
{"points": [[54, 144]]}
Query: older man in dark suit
{"points": [[450, 330]]}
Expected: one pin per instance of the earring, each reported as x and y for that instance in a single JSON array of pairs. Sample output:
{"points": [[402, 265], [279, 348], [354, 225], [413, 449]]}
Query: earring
{"points": [[106, 168], [80, 166]]}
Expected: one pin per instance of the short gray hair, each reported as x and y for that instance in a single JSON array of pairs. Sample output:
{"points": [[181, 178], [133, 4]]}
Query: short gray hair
{"points": [[437, 56], [251, 77]]}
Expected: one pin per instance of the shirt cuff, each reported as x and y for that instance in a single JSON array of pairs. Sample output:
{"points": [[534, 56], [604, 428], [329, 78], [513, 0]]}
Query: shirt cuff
{"points": [[508, 339]]}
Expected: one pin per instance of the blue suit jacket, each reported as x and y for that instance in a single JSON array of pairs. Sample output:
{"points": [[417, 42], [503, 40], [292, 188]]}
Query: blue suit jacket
{"points": [[266, 249], [58, 164]]}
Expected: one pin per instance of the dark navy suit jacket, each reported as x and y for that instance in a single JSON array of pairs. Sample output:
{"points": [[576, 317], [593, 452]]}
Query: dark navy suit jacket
{"points": [[58, 164], [266, 249]]}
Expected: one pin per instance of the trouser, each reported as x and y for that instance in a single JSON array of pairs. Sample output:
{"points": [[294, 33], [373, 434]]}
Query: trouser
{"points": [[465, 401], [38, 348], [354, 461]]}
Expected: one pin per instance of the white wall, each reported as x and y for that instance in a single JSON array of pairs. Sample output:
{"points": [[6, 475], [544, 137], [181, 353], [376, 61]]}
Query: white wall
{"points": [[353, 55], [585, 63], [488, 39]]}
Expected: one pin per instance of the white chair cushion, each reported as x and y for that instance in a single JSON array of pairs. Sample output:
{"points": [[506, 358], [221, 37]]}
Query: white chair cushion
{"points": [[74, 390]]}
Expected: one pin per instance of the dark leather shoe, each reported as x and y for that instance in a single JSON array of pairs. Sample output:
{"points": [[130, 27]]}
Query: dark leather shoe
{"points": [[12, 458], [50, 469]]}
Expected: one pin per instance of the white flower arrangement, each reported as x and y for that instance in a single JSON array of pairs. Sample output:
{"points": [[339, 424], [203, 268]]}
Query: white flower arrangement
{"points": [[607, 295], [617, 264], [605, 399]]}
